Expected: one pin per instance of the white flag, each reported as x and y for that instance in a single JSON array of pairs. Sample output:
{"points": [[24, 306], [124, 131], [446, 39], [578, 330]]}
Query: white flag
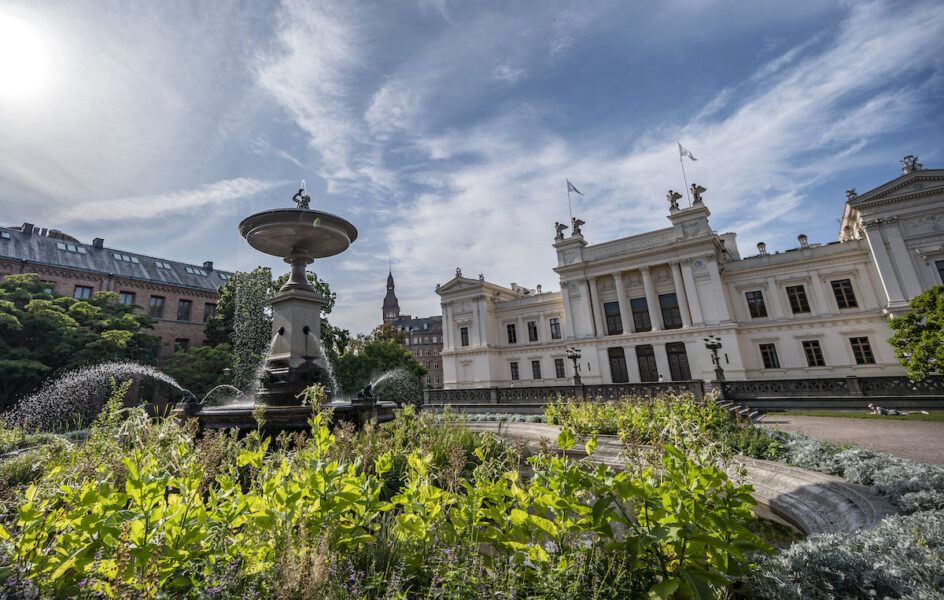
{"points": [[572, 188], [684, 152]]}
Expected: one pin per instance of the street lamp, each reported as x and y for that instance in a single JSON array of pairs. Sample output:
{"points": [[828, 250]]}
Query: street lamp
{"points": [[574, 355], [227, 372], [713, 343]]}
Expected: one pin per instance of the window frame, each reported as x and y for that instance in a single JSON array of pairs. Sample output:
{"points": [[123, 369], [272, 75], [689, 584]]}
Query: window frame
{"points": [[671, 315], [515, 372], [554, 325], [642, 320], [844, 288], [86, 293], [559, 368], [532, 331], [813, 351], [463, 336], [123, 295], [614, 321], [536, 369], [768, 356], [160, 312], [512, 331], [181, 314], [756, 307], [797, 298], [862, 350]]}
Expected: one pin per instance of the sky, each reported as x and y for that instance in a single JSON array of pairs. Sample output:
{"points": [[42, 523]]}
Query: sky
{"points": [[445, 131]]}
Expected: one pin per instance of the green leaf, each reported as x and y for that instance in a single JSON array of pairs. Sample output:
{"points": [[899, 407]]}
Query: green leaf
{"points": [[665, 589], [565, 440], [591, 445], [518, 516], [383, 464]]}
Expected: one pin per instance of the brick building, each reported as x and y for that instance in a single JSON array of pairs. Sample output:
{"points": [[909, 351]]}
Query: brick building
{"points": [[423, 335], [180, 296]]}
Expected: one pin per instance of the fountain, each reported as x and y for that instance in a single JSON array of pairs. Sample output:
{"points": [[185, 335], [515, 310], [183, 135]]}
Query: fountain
{"points": [[295, 359]]}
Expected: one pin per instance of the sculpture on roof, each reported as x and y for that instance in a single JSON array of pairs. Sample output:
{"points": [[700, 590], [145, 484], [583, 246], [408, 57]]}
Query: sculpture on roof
{"points": [[851, 194], [673, 198], [559, 228], [458, 272], [697, 191], [301, 199], [910, 163], [575, 224]]}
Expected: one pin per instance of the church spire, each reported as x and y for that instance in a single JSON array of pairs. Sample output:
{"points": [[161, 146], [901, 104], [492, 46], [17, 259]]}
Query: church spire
{"points": [[391, 306]]}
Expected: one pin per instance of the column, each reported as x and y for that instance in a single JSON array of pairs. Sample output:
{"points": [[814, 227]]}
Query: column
{"points": [[694, 303], [596, 307], [717, 287], [680, 295], [625, 316], [521, 333], [568, 324], [447, 327], [776, 303], [909, 276], [483, 331], [821, 305], [885, 269], [867, 288], [632, 365], [662, 361], [477, 319], [655, 309]]}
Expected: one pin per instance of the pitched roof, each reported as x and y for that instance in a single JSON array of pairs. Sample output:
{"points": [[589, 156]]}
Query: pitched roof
{"points": [[60, 252]]}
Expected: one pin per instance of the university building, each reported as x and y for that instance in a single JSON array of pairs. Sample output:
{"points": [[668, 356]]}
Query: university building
{"points": [[180, 296], [641, 308], [423, 336]]}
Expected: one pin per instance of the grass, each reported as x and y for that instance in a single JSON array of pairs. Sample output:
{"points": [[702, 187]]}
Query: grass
{"points": [[936, 417]]}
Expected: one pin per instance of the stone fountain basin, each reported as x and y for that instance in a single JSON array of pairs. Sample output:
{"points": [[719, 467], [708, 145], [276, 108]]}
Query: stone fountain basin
{"points": [[242, 416], [291, 232]]}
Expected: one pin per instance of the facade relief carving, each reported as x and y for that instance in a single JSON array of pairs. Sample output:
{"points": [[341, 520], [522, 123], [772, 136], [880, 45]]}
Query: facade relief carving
{"points": [[923, 224]]}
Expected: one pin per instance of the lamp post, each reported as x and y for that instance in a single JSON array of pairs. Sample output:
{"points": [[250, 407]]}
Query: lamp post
{"points": [[713, 343], [574, 355]]}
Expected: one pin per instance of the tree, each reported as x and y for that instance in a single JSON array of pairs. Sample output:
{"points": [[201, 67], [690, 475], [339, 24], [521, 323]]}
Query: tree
{"points": [[200, 369], [919, 336], [44, 335], [354, 370], [381, 333]]}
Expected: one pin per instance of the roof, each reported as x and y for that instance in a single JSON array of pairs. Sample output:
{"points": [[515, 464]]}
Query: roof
{"points": [[390, 300], [59, 252], [419, 323]]}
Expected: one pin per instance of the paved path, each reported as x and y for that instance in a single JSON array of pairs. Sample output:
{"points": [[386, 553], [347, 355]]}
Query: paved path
{"points": [[917, 440]]}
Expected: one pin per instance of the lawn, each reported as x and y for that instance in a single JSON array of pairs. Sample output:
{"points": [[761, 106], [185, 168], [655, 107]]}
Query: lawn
{"points": [[937, 417]]}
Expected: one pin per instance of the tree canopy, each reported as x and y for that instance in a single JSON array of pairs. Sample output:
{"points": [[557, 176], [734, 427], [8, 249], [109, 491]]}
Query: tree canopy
{"points": [[919, 336], [44, 335], [200, 369], [354, 370]]}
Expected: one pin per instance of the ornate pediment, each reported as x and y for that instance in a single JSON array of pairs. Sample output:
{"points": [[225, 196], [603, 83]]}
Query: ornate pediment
{"points": [[910, 185]]}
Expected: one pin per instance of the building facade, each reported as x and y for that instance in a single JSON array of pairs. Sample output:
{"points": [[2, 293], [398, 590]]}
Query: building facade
{"points": [[642, 307], [422, 335], [180, 296]]}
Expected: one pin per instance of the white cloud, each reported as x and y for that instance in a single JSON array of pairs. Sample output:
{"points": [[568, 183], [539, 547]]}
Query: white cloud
{"points": [[507, 73], [179, 201]]}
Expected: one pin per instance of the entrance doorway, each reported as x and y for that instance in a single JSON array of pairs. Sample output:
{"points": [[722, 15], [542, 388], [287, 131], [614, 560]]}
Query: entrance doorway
{"points": [[647, 363], [678, 361], [618, 365]]}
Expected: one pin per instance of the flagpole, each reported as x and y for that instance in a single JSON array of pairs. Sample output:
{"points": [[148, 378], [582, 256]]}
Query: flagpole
{"points": [[684, 178], [570, 206]]}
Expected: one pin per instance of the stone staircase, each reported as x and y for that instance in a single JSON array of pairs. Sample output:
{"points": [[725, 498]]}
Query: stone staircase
{"points": [[742, 410]]}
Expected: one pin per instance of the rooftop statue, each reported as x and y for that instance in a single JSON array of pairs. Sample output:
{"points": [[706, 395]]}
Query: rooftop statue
{"points": [[673, 198], [559, 228], [576, 223], [910, 163], [851, 194], [697, 191]]}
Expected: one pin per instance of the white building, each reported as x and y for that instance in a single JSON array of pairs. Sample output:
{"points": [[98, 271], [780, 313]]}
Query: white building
{"points": [[818, 310]]}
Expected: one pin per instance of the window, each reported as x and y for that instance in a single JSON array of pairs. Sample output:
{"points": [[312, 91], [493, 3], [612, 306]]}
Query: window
{"points": [[223, 276], [559, 368], [768, 353], [156, 307], [618, 369], [536, 369], [82, 291], [435, 366], [126, 258], [5, 235], [814, 354], [555, 329], [434, 339], [755, 304], [512, 336], [640, 310], [161, 265], [646, 359], [464, 335], [181, 344], [126, 298], [614, 323], [862, 351], [671, 317], [797, 296], [209, 309], [70, 248], [514, 371], [845, 297], [195, 271], [532, 331], [426, 340], [940, 269], [678, 361], [183, 310], [50, 286]]}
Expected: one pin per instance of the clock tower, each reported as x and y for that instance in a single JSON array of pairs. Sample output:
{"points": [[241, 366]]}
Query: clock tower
{"points": [[391, 307]]}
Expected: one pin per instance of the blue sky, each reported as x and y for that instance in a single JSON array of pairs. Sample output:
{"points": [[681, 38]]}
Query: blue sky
{"points": [[445, 130]]}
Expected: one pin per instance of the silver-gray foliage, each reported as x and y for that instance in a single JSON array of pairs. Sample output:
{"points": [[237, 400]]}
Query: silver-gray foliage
{"points": [[908, 484], [901, 557]]}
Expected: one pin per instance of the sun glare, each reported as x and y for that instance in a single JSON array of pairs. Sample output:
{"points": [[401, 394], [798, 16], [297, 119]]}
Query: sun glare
{"points": [[24, 65]]}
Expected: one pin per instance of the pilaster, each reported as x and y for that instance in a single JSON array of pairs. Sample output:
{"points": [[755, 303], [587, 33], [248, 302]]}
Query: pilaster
{"points": [[625, 316], [680, 295], [655, 309]]}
